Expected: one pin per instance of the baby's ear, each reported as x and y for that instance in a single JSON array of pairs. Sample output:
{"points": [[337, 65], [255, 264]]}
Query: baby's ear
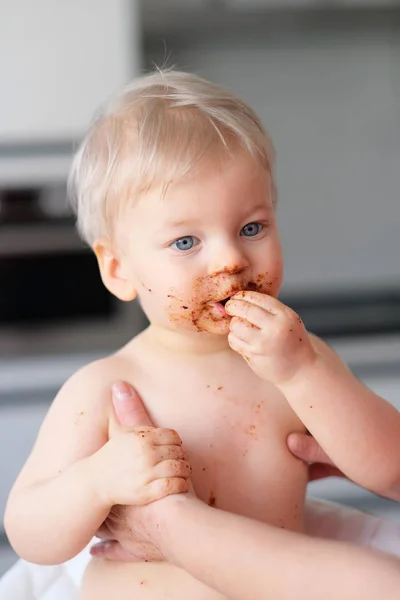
{"points": [[113, 272]]}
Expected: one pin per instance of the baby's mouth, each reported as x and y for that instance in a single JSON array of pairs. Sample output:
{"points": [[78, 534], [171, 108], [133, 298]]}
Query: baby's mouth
{"points": [[218, 308], [224, 301]]}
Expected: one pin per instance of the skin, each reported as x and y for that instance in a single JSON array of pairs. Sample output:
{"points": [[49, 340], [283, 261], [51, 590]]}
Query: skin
{"points": [[224, 543], [115, 545], [178, 288], [306, 448], [246, 404], [274, 342]]}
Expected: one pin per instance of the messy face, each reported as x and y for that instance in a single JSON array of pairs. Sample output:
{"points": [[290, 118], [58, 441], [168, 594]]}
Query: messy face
{"points": [[190, 249]]}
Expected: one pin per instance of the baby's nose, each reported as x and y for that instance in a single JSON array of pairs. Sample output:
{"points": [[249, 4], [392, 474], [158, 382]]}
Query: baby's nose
{"points": [[227, 260]]}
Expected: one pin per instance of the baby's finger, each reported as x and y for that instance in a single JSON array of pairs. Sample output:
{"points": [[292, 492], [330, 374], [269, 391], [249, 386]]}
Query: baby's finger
{"points": [[164, 437], [239, 346], [243, 330], [256, 316], [159, 488], [168, 452], [171, 468], [268, 303]]}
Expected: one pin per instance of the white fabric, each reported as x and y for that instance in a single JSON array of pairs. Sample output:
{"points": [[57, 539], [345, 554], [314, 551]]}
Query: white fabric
{"points": [[329, 520], [25, 581]]}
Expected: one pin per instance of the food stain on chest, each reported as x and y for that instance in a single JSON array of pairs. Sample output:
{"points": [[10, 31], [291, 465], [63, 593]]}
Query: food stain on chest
{"points": [[212, 499]]}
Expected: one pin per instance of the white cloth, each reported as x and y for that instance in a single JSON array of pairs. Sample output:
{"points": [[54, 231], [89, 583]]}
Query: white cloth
{"points": [[25, 581], [333, 521]]}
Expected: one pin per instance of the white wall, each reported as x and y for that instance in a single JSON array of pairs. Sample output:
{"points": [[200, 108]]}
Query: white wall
{"points": [[331, 100], [59, 61]]}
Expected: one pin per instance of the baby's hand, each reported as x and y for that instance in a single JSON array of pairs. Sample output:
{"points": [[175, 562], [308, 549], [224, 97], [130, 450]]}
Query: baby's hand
{"points": [[270, 336], [139, 465]]}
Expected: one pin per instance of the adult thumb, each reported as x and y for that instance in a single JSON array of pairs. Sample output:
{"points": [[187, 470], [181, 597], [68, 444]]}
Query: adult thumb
{"points": [[128, 406], [113, 550], [306, 448]]}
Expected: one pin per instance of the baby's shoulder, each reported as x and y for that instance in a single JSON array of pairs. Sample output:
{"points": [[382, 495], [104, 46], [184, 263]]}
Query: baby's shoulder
{"points": [[89, 388]]}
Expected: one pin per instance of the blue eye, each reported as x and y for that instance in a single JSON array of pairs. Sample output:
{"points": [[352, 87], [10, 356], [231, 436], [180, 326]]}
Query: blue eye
{"points": [[185, 243], [251, 229]]}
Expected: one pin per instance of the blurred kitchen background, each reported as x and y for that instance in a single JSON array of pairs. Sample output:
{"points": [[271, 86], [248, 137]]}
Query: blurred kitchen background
{"points": [[325, 78]]}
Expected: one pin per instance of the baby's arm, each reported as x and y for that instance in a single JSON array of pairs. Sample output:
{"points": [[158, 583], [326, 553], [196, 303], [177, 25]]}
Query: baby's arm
{"points": [[358, 430], [74, 475], [54, 508]]}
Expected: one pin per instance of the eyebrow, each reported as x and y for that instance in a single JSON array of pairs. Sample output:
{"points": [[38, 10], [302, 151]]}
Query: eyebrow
{"points": [[265, 206], [181, 223]]}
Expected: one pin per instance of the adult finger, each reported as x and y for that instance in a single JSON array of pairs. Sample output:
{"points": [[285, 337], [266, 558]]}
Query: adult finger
{"points": [[306, 448], [103, 533], [318, 471], [128, 406], [112, 550]]}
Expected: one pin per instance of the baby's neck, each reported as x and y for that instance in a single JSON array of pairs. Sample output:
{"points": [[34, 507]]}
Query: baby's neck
{"points": [[197, 343]]}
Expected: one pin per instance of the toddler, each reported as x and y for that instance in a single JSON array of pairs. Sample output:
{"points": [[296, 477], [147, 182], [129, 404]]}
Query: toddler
{"points": [[174, 189]]}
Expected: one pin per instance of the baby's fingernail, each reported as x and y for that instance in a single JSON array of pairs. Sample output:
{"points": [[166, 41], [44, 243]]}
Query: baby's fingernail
{"points": [[121, 391]]}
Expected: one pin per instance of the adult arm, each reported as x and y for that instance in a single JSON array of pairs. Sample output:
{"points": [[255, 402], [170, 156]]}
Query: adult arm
{"points": [[245, 559]]}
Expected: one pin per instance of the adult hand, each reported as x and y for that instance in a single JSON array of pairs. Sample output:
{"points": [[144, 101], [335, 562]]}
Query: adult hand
{"points": [[119, 541], [306, 448]]}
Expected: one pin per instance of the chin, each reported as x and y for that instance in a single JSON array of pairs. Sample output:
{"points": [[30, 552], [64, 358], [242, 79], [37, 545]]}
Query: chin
{"points": [[220, 327]]}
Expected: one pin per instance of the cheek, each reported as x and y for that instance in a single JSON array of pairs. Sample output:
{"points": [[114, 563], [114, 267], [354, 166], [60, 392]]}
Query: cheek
{"points": [[269, 279], [172, 301], [155, 278], [276, 262], [268, 282], [276, 275], [167, 292]]}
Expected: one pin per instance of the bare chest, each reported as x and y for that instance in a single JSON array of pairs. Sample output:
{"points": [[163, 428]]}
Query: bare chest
{"points": [[235, 427]]}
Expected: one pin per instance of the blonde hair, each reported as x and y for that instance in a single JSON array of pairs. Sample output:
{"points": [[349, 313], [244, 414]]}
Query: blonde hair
{"points": [[154, 132]]}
